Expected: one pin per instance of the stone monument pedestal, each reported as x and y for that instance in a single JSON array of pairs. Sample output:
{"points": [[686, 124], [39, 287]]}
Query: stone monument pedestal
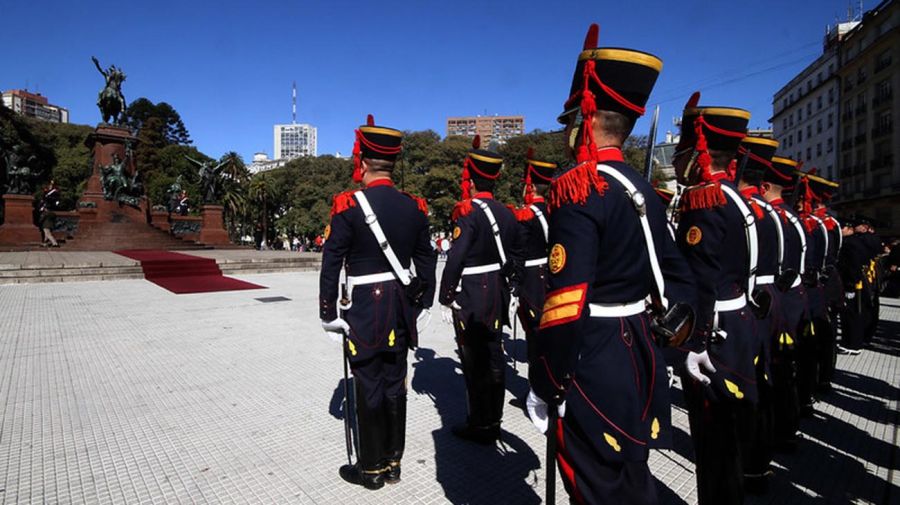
{"points": [[105, 142], [212, 230], [18, 225]]}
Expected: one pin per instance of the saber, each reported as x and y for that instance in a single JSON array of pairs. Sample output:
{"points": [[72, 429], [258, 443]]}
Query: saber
{"points": [[550, 470], [515, 328], [651, 140], [344, 304]]}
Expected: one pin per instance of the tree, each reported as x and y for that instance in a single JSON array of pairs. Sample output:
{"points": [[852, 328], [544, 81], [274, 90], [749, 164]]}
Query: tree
{"points": [[234, 193], [170, 127]]}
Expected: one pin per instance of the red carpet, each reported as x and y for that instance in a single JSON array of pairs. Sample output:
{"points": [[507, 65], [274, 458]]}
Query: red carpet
{"points": [[183, 273]]}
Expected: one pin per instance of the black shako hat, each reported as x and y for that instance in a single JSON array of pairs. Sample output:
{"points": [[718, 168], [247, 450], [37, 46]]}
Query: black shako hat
{"points": [[824, 189], [539, 171], [479, 164], [617, 79], [781, 172], [375, 142], [759, 152]]}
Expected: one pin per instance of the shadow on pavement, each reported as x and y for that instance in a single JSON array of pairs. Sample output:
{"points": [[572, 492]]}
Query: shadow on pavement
{"points": [[467, 472]]}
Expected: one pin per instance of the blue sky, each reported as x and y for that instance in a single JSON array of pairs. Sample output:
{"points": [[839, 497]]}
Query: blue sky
{"points": [[227, 66]]}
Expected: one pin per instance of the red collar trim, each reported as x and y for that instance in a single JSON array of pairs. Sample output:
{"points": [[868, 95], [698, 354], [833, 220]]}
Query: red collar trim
{"points": [[718, 176], [609, 154], [777, 201], [484, 194], [380, 182], [750, 191], [538, 199]]}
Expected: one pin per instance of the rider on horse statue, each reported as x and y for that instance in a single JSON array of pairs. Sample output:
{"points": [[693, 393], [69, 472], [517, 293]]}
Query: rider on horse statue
{"points": [[111, 101]]}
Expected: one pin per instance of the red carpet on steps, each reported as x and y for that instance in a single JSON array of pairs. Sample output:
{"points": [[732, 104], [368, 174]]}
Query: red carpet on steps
{"points": [[183, 273]]}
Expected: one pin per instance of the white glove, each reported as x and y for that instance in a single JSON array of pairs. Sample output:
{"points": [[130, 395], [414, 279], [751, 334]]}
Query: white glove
{"points": [[561, 410], [537, 411], [851, 295], [513, 307], [693, 363], [336, 329], [447, 312], [423, 320]]}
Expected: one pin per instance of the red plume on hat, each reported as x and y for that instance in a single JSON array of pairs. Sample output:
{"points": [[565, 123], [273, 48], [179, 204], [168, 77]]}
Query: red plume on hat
{"points": [[466, 178], [529, 185], [357, 153]]}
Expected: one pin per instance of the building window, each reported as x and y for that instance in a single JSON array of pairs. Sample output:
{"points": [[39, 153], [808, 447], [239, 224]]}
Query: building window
{"points": [[830, 144], [830, 96], [784, 124], [800, 114], [784, 104], [861, 75], [819, 103], [819, 125], [809, 153], [830, 120], [819, 149], [799, 136], [808, 109], [883, 61], [819, 78], [809, 131], [790, 140]]}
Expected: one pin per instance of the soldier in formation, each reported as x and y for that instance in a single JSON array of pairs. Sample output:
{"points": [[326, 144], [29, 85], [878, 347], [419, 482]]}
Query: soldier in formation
{"points": [[742, 276]]}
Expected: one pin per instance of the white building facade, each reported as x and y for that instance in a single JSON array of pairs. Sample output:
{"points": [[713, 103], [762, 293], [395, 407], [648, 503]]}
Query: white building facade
{"points": [[293, 140], [807, 112]]}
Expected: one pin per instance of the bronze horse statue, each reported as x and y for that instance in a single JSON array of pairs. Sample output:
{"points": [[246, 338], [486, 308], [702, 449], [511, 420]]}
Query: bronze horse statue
{"points": [[111, 101]]}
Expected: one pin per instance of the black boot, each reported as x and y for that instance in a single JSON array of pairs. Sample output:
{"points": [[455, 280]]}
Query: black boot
{"points": [[369, 478], [370, 425], [395, 410]]}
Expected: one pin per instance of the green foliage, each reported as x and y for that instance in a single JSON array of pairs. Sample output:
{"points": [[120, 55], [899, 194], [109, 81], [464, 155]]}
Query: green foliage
{"points": [[58, 149], [169, 127]]}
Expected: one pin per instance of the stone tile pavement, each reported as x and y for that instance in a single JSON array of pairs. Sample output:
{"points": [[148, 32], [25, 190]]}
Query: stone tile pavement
{"points": [[121, 392]]}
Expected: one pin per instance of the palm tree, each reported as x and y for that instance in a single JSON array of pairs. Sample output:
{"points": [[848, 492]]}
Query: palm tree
{"points": [[260, 191], [234, 195]]}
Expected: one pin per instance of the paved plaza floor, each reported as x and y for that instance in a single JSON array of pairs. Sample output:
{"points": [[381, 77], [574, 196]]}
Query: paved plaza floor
{"points": [[122, 392]]}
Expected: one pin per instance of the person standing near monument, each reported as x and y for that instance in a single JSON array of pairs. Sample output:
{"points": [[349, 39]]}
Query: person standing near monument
{"points": [[377, 235], [481, 277], [49, 204]]}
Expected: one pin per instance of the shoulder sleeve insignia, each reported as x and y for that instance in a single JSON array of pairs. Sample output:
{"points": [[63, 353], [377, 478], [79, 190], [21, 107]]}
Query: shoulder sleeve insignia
{"points": [[694, 235], [563, 305], [327, 231], [456, 232], [557, 258]]}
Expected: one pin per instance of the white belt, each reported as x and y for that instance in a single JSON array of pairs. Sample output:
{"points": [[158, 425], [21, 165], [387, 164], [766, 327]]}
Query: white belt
{"points": [[481, 269], [617, 309], [535, 263], [796, 283], [362, 280], [737, 303], [765, 279]]}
